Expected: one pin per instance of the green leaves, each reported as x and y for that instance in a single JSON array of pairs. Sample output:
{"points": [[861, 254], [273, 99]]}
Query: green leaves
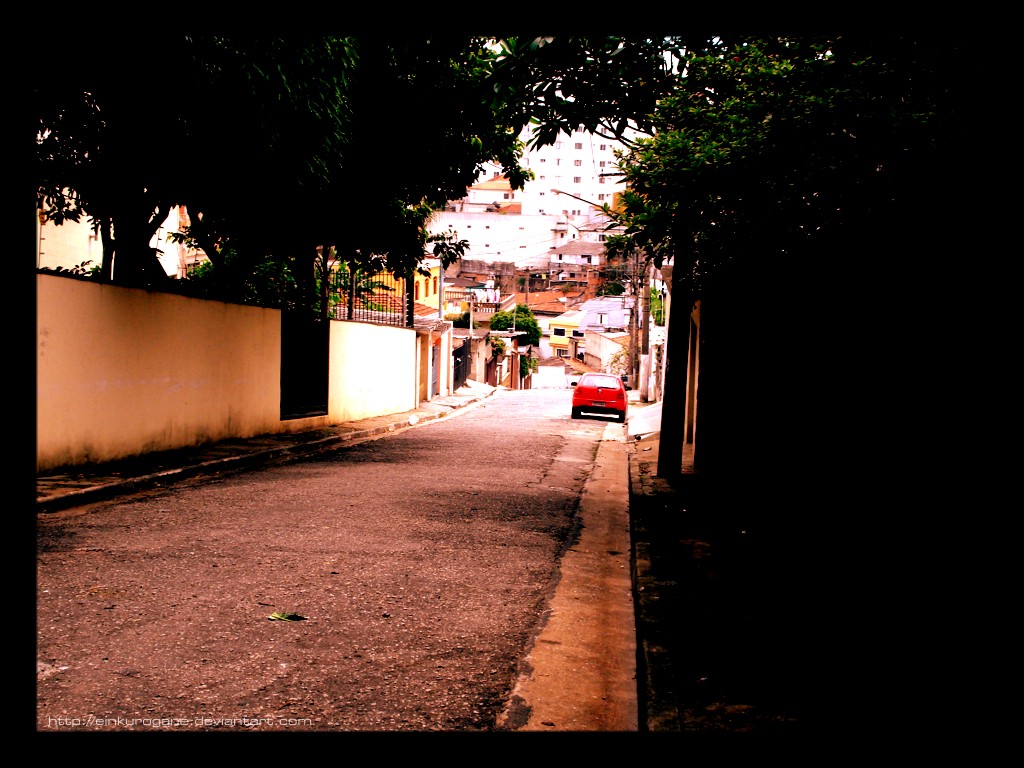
{"points": [[286, 616]]}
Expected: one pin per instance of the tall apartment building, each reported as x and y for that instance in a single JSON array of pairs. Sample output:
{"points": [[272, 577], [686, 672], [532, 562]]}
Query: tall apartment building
{"points": [[573, 178]]}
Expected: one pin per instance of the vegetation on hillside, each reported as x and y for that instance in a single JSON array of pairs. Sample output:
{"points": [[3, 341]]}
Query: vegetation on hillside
{"points": [[521, 319]]}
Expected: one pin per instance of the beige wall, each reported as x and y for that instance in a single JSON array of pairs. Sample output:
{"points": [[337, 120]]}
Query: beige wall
{"points": [[123, 371], [601, 349]]}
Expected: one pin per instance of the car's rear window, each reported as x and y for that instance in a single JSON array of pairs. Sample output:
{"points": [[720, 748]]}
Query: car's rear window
{"points": [[599, 381]]}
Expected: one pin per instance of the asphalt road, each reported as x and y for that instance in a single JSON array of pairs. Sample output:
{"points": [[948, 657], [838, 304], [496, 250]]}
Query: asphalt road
{"points": [[470, 573]]}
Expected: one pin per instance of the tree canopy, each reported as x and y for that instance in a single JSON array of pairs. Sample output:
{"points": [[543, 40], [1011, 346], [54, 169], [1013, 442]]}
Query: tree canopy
{"points": [[279, 147], [809, 170], [522, 319]]}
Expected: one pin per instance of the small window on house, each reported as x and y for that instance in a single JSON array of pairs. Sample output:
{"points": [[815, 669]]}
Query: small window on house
{"points": [[506, 195], [578, 334], [577, 163], [435, 285], [600, 164], [558, 331], [577, 179], [603, 147], [417, 290], [579, 145], [600, 179]]}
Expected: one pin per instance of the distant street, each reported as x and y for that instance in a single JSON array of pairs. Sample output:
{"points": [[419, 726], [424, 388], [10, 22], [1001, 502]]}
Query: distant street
{"points": [[418, 567]]}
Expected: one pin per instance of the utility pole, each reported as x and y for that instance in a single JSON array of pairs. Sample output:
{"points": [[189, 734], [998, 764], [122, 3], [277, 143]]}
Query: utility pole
{"points": [[634, 358], [645, 334]]}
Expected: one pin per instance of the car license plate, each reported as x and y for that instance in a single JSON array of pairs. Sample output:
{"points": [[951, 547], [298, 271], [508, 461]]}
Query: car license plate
{"points": [[597, 403]]}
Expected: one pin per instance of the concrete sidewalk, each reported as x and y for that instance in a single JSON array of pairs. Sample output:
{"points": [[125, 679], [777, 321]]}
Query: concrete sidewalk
{"points": [[85, 485]]}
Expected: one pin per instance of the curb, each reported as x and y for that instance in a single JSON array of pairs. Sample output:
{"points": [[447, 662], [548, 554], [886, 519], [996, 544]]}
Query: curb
{"points": [[659, 711]]}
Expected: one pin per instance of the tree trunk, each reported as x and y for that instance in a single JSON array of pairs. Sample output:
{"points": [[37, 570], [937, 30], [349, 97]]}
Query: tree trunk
{"points": [[107, 238], [135, 261], [673, 406]]}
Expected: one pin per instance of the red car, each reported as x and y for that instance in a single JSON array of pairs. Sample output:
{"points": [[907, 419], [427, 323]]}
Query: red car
{"points": [[599, 393]]}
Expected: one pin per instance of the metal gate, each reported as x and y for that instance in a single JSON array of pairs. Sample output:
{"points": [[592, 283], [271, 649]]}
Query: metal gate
{"points": [[460, 360]]}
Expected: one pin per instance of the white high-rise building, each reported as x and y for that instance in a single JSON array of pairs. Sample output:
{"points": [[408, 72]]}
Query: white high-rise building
{"points": [[574, 177]]}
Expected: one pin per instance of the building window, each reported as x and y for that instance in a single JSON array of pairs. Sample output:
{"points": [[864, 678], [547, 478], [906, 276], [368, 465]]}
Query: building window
{"points": [[579, 145], [543, 160], [600, 179], [558, 331], [417, 291], [601, 164], [577, 179], [435, 285], [601, 196], [590, 259], [577, 162], [577, 334], [506, 195], [603, 147], [562, 352]]}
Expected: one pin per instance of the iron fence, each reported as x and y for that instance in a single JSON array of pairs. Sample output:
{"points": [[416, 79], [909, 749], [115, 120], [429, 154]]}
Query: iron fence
{"points": [[375, 298]]}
